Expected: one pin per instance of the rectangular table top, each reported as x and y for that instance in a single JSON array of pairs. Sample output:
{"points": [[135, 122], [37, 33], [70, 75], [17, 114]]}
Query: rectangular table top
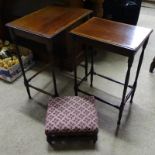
{"points": [[49, 21], [113, 33]]}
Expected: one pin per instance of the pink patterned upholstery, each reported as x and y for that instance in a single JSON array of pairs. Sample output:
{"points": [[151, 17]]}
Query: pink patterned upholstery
{"points": [[71, 115]]}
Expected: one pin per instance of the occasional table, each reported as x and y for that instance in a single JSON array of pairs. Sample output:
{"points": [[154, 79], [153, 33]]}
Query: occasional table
{"points": [[43, 26], [119, 38]]}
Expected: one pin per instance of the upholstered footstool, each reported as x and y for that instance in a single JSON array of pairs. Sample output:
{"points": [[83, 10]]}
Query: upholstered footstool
{"points": [[71, 117]]}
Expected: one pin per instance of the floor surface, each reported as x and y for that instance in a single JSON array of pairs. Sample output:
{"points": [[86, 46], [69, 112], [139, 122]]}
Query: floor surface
{"points": [[22, 120]]}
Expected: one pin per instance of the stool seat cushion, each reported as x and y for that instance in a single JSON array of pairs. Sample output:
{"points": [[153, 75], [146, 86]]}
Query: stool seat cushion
{"points": [[71, 115]]}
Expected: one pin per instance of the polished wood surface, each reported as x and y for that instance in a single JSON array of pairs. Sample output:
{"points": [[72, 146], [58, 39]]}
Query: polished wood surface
{"points": [[113, 33], [52, 22], [49, 21], [113, 37], [11, 10]]}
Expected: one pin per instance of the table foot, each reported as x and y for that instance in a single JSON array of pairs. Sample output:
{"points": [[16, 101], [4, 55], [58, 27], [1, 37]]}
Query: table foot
{"points": [[29, 95], [119, 117], [27, 89], [131, 102], [152, 66], [117, 130]]}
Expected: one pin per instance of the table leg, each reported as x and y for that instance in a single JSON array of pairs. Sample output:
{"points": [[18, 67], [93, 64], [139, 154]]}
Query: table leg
{"points": [[74, 46], [75, 80], [49, 48], [92, 68], [138, 70], [86, 61], [14, 40], [152, 66], [130, 62], [54, 82]]}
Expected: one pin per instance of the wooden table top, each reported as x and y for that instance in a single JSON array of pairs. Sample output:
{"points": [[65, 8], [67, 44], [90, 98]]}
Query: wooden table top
{"points": [[113, 33], [49, 21]]}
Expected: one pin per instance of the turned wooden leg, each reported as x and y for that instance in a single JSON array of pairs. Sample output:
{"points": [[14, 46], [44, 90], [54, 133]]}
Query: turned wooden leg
{"points": [[152, 66]]}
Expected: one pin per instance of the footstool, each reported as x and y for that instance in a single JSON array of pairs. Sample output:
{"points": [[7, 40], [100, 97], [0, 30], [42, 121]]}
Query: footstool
{"points": [[71, 117]]}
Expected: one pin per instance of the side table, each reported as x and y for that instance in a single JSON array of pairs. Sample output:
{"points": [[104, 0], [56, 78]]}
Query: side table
{"points": [[43, 26], [119, 38]]}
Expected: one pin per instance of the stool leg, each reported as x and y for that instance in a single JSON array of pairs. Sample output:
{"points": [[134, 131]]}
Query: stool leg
{"points": [[48, 139], [130, 62], [14, 40], [138, 70], [92, 68], [94, 139]]}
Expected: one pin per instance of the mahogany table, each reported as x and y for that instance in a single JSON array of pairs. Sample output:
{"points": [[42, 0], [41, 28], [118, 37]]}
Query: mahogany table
{"points": [[43, 26], [119, 38]]}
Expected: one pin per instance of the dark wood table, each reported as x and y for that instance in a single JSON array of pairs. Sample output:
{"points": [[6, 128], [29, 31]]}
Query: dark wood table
{"points": [[118, 38], [43, 26]]}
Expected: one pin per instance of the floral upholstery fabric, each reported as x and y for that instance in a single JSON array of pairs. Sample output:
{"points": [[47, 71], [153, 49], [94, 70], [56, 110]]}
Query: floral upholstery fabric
{"points": [[71, 115]]}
